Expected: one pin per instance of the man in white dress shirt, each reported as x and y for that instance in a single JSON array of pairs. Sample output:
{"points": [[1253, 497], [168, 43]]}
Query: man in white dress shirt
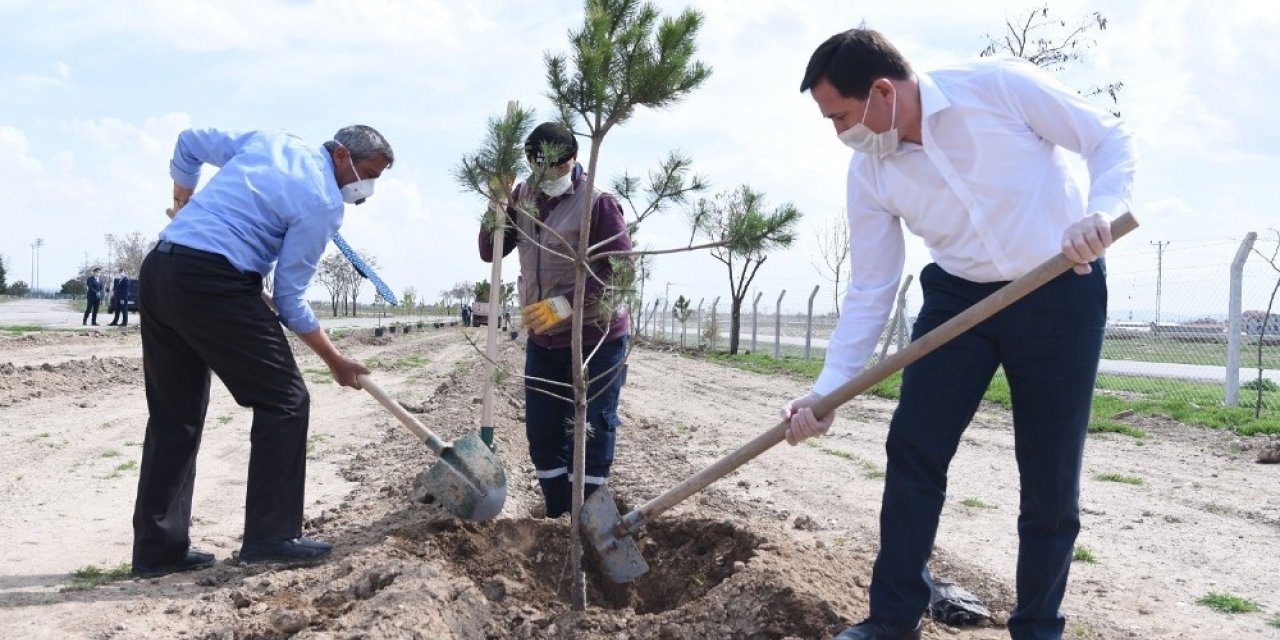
{"points": [[970, 158]]}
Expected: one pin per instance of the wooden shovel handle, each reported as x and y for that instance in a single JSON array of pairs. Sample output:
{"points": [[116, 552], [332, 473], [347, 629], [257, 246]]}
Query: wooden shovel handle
{"points": [[966, 320], [432, 440], [405, 418]]}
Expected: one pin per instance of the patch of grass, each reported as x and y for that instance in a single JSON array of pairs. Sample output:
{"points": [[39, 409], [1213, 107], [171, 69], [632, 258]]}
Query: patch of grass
{"points": [[1194, 403], [1266, 384], [122, 468], [19, 329], [1116, 477], [1106, 425], [110, 454], [1218, 509], [869, 470], [224, 419], [1082, 554], [1274, 622], [317, 375], [974, 503], [407, 362], [1227, 603], [315, 440], [761, 363], [92, 576], [840, 541]]}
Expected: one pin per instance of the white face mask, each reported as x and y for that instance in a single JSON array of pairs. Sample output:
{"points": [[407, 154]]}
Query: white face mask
{"points": [[862, 139], [559, 186], [360, 190]]}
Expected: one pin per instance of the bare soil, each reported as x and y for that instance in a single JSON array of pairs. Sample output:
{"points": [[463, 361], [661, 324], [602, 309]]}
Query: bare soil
{"points": [[780, 549]]}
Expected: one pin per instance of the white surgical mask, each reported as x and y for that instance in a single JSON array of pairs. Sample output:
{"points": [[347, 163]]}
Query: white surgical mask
{"points": [[559, 186], [862, 139], [360, 190]]}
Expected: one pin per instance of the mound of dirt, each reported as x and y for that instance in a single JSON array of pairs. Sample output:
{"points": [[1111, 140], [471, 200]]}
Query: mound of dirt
{"points": [[19, 383]]}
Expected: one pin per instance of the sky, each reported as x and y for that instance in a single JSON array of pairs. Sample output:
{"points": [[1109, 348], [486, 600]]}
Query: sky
{"points": [[93, 95]]}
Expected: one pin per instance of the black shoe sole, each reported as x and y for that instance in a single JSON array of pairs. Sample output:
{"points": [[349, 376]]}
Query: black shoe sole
{"points": [[164, 571]]}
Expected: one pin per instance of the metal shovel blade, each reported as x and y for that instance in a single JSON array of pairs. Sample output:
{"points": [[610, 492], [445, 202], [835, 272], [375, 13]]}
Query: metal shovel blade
{"points": [[619, 557], [467, 480]]}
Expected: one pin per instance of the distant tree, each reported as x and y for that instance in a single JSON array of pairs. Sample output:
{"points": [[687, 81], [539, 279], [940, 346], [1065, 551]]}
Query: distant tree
{"points": [[833, 246], [680, 311], [357, 281], [481, 290], [1052, 44], [3, 286], [74, 287], [127, 252], [741, 213], [671, 183], [20, 289], [334, 273], [409, 294]]}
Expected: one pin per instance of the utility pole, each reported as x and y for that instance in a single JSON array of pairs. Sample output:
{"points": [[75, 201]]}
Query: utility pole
{"points": [[1159, 272], [668, 293]]}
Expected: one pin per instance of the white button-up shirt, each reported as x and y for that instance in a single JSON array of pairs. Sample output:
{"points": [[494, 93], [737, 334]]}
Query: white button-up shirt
{"points": [[989, 191]]}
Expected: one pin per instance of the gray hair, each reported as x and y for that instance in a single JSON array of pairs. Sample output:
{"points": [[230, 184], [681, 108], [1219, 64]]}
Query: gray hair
{"points": [[363, 142]]}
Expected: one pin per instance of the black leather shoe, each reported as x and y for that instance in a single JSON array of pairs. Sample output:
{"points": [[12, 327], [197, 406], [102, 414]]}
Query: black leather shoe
{"points": [[871, 630], [292, 551], [193, 561]]}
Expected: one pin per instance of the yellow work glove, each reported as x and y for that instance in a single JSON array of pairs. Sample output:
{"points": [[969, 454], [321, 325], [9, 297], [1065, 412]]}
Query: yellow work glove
{"points": [[544, 314]]}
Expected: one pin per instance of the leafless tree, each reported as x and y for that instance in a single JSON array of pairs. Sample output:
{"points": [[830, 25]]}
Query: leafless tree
{"points": [[833, 246], [1053, 44]]}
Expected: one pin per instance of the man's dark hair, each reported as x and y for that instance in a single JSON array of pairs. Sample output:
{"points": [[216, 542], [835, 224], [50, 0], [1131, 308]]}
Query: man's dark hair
{"points": [[553, 137], [854, 59]]}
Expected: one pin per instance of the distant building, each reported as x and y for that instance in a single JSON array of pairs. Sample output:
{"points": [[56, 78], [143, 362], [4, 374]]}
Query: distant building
{"points": [[1253, 323]]}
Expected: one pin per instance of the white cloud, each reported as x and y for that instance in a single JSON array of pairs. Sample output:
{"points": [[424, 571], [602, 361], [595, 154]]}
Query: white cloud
{"points": [[101, 89]]}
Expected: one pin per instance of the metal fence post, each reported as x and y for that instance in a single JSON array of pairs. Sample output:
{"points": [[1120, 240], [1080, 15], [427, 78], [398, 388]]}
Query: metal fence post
{"points": [[697, 340], [715, 335], [666, 313], [808, 325], [1234, 320], [777, 327], [653, 321], [898, 324], [755, 314]]}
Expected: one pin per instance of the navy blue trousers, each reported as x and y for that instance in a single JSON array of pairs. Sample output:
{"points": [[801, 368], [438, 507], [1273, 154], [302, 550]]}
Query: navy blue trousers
{"points": [[1049, 344], [548, 417]]}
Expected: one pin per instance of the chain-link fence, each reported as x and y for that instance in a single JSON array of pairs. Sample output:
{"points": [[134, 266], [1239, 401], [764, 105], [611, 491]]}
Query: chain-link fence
{"points": [[1172, 331]]}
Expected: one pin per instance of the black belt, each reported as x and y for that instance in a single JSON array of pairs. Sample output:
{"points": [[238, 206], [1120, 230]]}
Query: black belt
{"points": [[164, 246]]}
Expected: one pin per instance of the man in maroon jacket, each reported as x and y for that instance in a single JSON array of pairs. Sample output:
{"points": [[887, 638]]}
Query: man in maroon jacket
{"points": [[546, 282]]}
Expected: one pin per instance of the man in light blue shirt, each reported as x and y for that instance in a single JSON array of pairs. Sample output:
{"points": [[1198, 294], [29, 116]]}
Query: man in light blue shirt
{"points": [[275, 201]]}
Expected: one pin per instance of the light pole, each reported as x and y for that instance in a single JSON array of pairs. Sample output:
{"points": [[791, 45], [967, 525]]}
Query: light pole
{"points": [[39, 243], [1159, 273]]}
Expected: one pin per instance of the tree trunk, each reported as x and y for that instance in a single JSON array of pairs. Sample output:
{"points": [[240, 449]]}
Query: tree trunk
{"points": [[735, 326]]}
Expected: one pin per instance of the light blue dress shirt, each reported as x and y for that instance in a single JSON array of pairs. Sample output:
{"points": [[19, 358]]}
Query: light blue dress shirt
{"points": [[275, 200]]}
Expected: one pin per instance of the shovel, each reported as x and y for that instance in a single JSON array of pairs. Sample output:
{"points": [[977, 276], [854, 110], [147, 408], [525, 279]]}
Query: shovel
{"points": [[467, 480], [611, 533]]}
